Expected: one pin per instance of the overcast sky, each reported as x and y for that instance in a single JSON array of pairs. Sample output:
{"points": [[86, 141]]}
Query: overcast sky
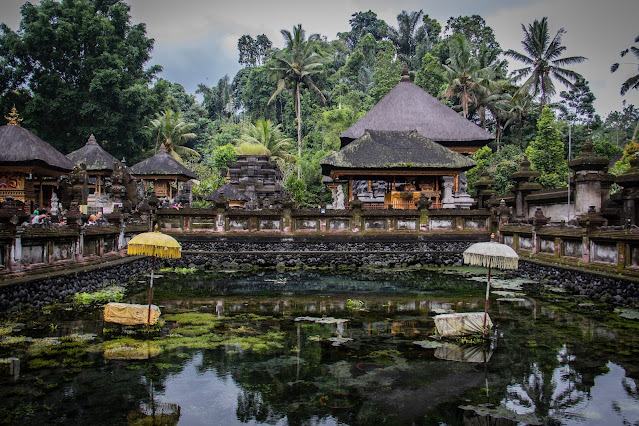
{"points": [[196, 40]]}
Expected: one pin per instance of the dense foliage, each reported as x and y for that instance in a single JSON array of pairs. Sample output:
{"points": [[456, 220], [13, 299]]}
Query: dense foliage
{"points": [[76, 67]]}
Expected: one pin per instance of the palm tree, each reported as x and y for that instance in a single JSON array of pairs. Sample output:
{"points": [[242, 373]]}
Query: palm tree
{"points": [[464, 74], [520, 109], [172, 131], [543, 61], [408, 34], [632, 82], [265, 134], [295, 65]]}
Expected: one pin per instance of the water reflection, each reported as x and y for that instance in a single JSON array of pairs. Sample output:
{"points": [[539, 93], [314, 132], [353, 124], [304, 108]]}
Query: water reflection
{"points": [[298, 353]]}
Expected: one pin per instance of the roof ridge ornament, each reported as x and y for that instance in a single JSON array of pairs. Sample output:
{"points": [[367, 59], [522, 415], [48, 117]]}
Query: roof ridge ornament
{"points": [[92, 140], [13, 119], [405, 73]]}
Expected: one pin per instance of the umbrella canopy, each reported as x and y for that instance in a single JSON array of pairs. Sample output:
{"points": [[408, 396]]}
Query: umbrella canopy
{"points": [[155, 244], [491, 254]]}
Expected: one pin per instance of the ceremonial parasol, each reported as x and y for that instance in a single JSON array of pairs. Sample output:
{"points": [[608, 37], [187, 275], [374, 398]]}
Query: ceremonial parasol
{"points": [[491, 254], [154, 244]]}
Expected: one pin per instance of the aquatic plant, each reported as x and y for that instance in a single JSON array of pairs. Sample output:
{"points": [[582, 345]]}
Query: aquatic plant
{"points": [[98, 297], [354, 304], [129, 348], [176, 270]]}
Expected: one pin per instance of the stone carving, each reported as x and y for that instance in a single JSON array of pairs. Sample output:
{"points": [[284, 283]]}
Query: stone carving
{"points": [[338, 203], [79, 189], [55, 204]]}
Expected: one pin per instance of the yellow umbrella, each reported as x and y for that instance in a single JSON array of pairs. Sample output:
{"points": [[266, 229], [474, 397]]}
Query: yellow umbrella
{"points": [[154, 244], [491, 255]]}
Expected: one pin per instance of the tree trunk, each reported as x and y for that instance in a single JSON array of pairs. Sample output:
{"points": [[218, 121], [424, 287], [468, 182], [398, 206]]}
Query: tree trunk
{"points": [[299, 130]]}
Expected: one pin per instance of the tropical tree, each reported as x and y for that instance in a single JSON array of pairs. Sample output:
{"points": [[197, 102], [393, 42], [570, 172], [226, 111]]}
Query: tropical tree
{"points": [[294, 66], [546, 152], [632, 82], [520, 108], [542, 57], [408, 35], [172, 131], [269, 136], [84, 64], [463, 73]]}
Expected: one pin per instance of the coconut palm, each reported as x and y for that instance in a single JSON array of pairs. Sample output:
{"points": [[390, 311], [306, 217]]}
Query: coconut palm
{"points": [[265, 134], [543, 61], [520, 109], [408, 35], [464, 73], [172, 131], [632, 82], [294, 66]]}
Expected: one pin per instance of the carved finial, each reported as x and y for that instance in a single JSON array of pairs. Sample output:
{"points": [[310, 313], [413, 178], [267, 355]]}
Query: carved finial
{"points": [[587, 147], [405, 73], [228, 176], [91, 140], [162, 149], [13, 119]]}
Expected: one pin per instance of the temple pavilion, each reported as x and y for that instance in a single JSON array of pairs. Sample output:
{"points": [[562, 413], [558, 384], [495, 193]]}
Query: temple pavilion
{"points": [[408, 145], [30, 168], [163, 171], [100, 164]]}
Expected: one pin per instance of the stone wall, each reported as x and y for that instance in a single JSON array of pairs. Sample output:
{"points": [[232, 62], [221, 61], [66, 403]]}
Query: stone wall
{"points": [[209, 255], [597, 287], [42, 292]]}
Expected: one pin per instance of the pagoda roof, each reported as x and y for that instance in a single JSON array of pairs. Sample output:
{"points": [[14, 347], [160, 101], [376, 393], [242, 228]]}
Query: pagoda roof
{"points": [[393, 150], [161, 164], [20, 147], [94, 156], [227, 192], [409, 107]]}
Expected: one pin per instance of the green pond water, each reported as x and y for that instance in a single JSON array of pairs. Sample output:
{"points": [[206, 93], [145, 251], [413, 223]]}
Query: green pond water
{"points": [[303, 348]]}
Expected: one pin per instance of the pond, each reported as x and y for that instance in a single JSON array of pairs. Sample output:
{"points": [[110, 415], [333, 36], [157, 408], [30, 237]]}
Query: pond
{"points": [[309, 348]]}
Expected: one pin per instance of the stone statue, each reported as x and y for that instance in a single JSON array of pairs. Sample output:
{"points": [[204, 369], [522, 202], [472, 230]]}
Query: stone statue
{"points": [[55, 203], [339, 198], [79, 189], [117, 191]]}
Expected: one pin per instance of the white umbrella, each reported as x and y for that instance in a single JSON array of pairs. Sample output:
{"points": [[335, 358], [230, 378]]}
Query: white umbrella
{"points": [[491, 255]]}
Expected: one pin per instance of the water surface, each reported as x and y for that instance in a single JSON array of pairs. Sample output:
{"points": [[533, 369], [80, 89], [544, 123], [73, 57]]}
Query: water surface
{"points": [[302, 348]]}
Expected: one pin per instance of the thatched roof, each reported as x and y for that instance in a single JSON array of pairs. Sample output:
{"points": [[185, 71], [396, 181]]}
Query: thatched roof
{"points": [[20, 147], [227, 192], [161, 164], [94, 156], [395, 151], [409, 107]]}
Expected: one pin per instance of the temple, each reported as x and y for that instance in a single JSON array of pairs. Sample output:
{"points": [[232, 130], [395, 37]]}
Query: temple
{"points": [[408, 145], [163, 171], [30, 168]]}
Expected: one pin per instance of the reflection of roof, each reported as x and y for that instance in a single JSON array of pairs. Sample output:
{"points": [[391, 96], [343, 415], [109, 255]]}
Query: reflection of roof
{"points": [[408, 107], [94, 156], [227, 192], [395, 150], [18, 146], [161, 164]]}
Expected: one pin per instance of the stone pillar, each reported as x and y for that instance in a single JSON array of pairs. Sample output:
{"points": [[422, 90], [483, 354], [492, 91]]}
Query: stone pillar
{"points": [[288, 221], [484, 189], [80, 244], [422, 206], [220, 208], [524, 185], [356, 208], [630, 194], [16, 256], [589, 173], [448, 201]]}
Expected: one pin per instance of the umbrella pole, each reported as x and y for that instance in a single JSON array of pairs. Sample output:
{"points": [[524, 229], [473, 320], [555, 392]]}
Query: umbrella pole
{"points": [[486, 302], [148, 319]]}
